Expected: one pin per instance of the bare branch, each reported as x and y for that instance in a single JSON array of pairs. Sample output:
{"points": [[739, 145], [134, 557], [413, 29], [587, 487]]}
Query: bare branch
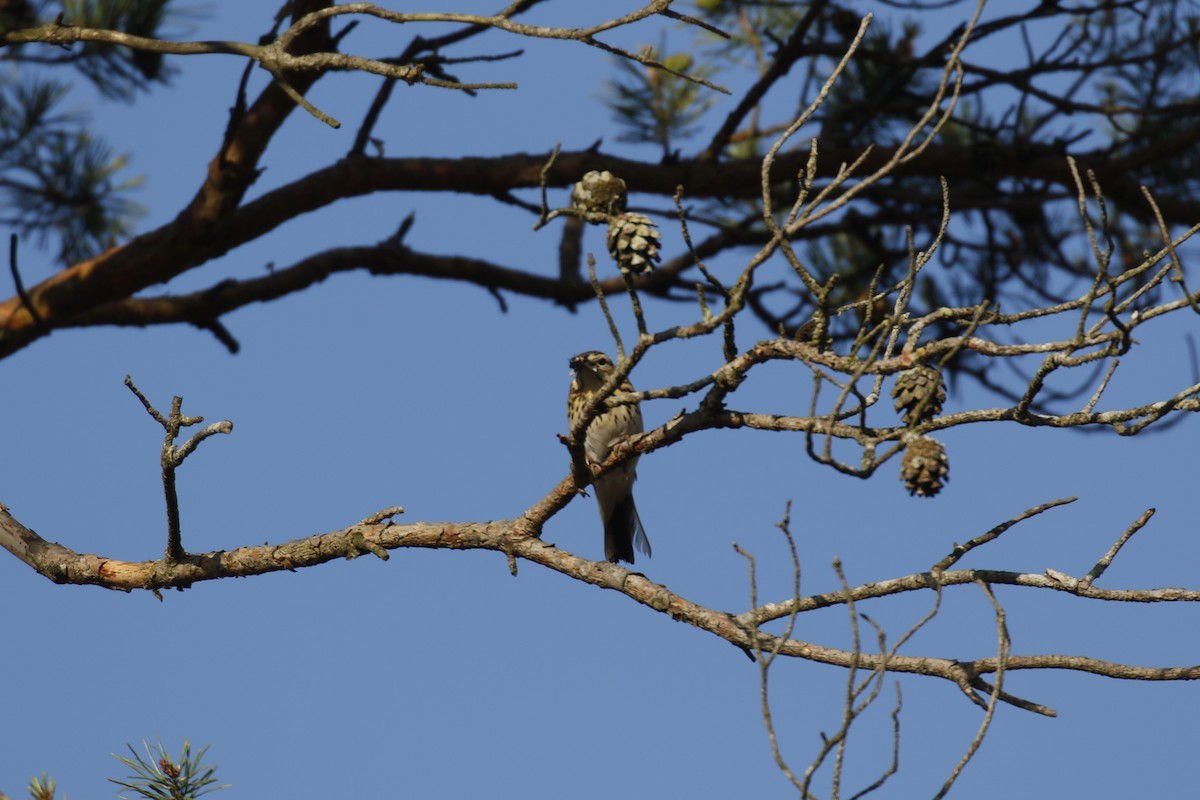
{"points": [[13, 240], [515, 536], [961, 550], [599, 290], [1003, 646], [173, 457], [1107, 559]]}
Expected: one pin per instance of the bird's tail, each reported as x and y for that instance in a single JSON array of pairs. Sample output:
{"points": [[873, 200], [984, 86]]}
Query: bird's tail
{"points": [[622, 530]]}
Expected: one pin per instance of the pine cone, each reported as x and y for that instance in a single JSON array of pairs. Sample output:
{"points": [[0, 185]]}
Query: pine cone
{"points": [[919, 393], [633, 242], [599, 197], [924, 467]]}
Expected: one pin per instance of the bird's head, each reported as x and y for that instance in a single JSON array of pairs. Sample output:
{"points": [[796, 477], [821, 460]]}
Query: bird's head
{"points": [[592, 368]]}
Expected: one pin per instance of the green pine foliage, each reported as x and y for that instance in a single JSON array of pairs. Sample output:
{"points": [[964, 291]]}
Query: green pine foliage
{"points": [[159, 777], [42, 788], [119, 72], [657, 107], [57, 181], [60, 185]]}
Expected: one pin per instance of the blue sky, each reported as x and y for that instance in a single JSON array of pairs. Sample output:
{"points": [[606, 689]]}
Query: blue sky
{"points": [[437, 673]]}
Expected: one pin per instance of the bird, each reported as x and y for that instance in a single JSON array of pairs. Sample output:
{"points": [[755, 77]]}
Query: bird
{"points": [[614, 490]]}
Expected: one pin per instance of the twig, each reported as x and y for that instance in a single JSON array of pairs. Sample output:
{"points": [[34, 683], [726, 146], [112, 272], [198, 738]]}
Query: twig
{"points": [[382, 514], [894, 767], [173, 457], [763, 673], [785, 526], [764, 661], [635, 301], [542, 179], [1016, 702], [1107, 559], [1166, 237], [16, 276], [1090, 406], [238, 111], [1003, 646], [848, 710], [276, 59], [699, 23], [220, 333], [729, 341], [612, 325], [362, 544], [961, 550], [300, 99]]}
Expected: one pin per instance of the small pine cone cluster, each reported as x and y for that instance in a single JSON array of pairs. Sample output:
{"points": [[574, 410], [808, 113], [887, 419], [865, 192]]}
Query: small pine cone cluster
{"points": [[924, 467], [599, 197], [919, 393], [633, 242]]}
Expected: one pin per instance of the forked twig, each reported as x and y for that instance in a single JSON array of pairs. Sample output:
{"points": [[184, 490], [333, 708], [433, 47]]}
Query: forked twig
{"points": [[173, 457]]}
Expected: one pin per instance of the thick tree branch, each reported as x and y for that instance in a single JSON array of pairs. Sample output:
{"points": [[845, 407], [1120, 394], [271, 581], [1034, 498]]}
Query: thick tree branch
{"points": [[193, 238], [63, 565]]}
